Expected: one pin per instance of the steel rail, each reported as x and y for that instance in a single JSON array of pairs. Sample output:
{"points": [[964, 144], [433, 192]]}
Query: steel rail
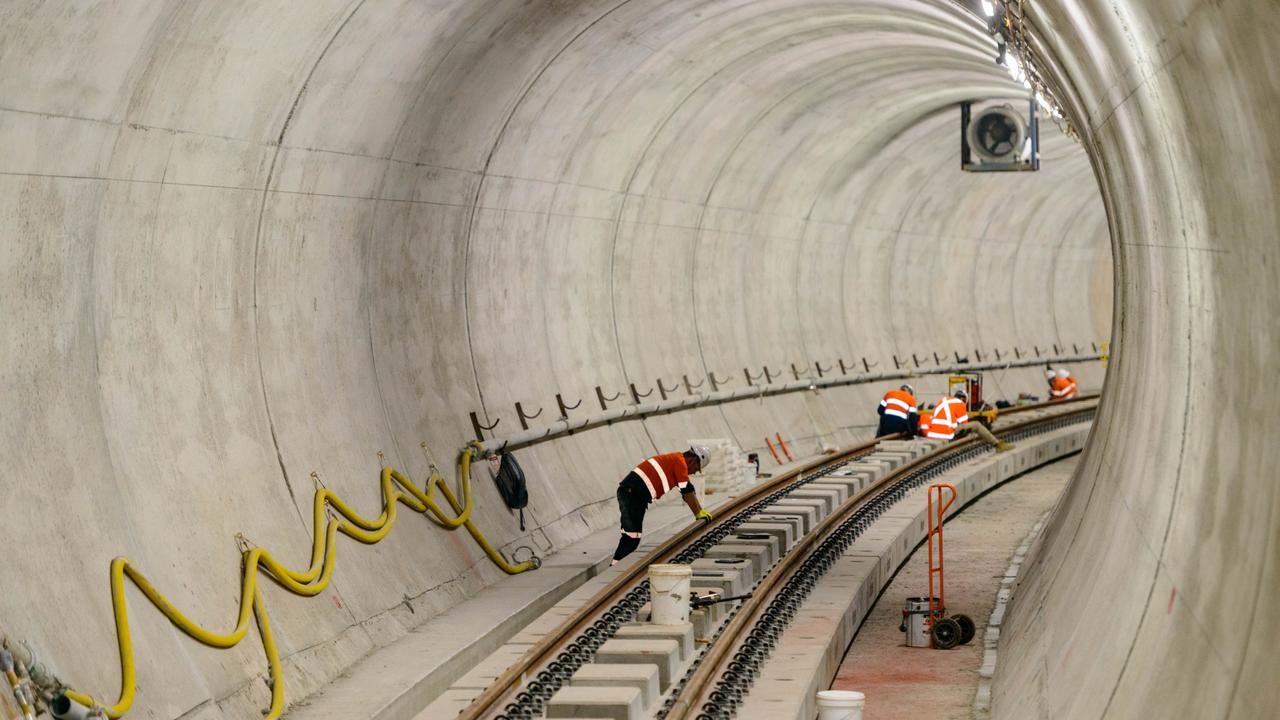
{"points": [[542, 652], [697, 687]]}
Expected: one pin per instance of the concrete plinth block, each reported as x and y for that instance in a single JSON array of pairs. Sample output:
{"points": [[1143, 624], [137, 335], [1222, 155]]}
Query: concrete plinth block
{"points": [[808, 513], [874, 467], [815, 504], [852, 485], [615, 703], [785, 532], [703, 627], [757, 555], [642, 677], [897, 458], [830, 497], [888, 461], [759, 539], [725, 582], [914, 448], [824, 484], [795, 521], [746, 575], [663, 653], [682, 634]]}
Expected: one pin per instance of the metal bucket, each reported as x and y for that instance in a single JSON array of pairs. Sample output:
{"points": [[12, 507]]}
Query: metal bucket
{"points": [[916, 623]]}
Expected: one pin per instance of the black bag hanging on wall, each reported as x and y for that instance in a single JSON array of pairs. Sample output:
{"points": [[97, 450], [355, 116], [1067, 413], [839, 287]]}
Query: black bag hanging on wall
{"points": [[511, 485]]}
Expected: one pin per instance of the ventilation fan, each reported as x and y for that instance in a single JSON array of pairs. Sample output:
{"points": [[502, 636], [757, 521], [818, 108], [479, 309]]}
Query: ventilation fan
{"points": [[997, 135]]}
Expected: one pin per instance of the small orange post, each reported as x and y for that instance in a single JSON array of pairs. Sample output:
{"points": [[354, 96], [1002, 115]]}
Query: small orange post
{"points": [[773, 451], [785, 451], [937, 510]]}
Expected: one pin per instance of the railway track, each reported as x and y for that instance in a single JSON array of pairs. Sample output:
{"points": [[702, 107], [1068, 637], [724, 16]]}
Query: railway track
{"points": [[715, 683]]}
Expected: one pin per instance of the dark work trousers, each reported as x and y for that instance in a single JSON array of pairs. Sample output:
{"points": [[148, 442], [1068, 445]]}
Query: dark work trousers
{"points": [[633, 501], [892, 425]]}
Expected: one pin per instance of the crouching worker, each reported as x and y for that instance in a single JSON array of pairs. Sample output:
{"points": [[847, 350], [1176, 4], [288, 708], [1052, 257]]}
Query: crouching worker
{"points": [[897, 412], [950, 419], [649, 481]]}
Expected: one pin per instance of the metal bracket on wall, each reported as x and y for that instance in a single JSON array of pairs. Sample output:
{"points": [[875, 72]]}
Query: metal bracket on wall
{"points": [[480, 428], [689, 387], [523, 417], [636, 395], [604, 401], [564, 409]]}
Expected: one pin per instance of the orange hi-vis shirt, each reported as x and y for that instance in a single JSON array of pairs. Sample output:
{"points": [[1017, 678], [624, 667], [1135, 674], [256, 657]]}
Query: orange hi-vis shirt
{"points": [[1064, 388], [898, 403], [925, 417], [950, 414], [661, 473]]}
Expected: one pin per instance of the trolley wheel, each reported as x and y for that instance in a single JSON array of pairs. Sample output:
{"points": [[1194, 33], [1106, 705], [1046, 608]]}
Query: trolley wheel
{"points": [[967, 628], [946, 634]]}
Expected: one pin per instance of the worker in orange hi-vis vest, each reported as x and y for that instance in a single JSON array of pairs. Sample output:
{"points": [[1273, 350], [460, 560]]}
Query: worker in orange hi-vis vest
{"points": [[949, 416], [950, 419], [649, 481], [1063, 385], [896, 410]]}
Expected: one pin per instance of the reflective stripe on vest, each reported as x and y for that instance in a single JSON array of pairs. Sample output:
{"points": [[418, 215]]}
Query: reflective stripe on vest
{"points": [[662, 475], [654, 493], [894, 405]]}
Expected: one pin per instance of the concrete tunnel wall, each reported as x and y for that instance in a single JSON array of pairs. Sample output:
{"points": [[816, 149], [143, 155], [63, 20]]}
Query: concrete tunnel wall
{"points": [[245, 241], [1151, 595]]}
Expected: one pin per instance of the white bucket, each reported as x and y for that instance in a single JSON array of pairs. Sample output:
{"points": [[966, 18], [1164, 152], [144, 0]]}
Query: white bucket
{"points": [[840, 704], [669, 594]]}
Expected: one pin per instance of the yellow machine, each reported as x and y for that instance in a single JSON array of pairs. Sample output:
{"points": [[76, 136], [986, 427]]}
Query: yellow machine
{"points": [[979, 409]]}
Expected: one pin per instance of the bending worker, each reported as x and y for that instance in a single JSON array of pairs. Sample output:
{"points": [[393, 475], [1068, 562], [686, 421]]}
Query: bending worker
{"points": [[649, 481], [1061, 385], [897, 412]]}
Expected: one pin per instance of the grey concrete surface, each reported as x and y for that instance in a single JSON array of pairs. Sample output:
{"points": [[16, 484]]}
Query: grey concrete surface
{"points": [[1150, 596], [248, 240]]}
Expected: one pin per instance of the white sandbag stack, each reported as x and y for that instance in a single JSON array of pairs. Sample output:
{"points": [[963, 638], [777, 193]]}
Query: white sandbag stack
{"points": [[727, 469]]}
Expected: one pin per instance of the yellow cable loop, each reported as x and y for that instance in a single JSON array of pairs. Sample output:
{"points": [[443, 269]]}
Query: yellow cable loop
{"points": [[310, 582]]}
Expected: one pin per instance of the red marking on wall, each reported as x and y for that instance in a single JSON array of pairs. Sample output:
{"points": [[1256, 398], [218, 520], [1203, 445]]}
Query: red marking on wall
{"points": [[1173, 594], [337, 601]]}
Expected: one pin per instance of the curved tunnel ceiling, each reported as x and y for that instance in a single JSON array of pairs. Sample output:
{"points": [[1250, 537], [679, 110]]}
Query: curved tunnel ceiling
{"points": [[253, 240]]}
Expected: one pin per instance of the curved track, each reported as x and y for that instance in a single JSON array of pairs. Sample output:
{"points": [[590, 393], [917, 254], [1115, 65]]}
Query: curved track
{"points": [[720, 676]]}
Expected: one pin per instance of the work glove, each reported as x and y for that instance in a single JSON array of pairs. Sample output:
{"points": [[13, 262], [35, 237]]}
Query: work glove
{"points": [[704, 515]]}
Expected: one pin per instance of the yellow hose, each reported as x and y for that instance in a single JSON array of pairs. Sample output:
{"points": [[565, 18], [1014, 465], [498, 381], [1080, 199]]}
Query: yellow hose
{"points": [[309, 582]]}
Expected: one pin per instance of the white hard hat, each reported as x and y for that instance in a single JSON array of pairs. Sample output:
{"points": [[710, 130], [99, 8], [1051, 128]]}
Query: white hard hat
{"points": [[908, 388], [1062, 373], [1049, 374], [960, 393], [703, 453]]}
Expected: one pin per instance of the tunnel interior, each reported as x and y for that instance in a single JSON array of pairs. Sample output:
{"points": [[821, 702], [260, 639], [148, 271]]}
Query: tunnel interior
{"points": [[256, 248]]}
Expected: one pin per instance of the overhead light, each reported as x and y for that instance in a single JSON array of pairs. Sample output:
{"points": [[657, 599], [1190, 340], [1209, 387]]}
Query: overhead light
{"points": [[1012, 64], [988, 9]]}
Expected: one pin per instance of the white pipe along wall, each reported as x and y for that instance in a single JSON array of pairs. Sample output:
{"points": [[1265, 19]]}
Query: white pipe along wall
{"points": [[245, 241]]}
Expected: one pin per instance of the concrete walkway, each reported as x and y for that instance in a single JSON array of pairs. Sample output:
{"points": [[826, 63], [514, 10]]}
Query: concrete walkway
{"points": [[904, 683]]}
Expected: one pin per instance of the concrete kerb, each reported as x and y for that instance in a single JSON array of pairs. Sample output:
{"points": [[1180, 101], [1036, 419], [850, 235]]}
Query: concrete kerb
{"points": [[991, 636]]}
